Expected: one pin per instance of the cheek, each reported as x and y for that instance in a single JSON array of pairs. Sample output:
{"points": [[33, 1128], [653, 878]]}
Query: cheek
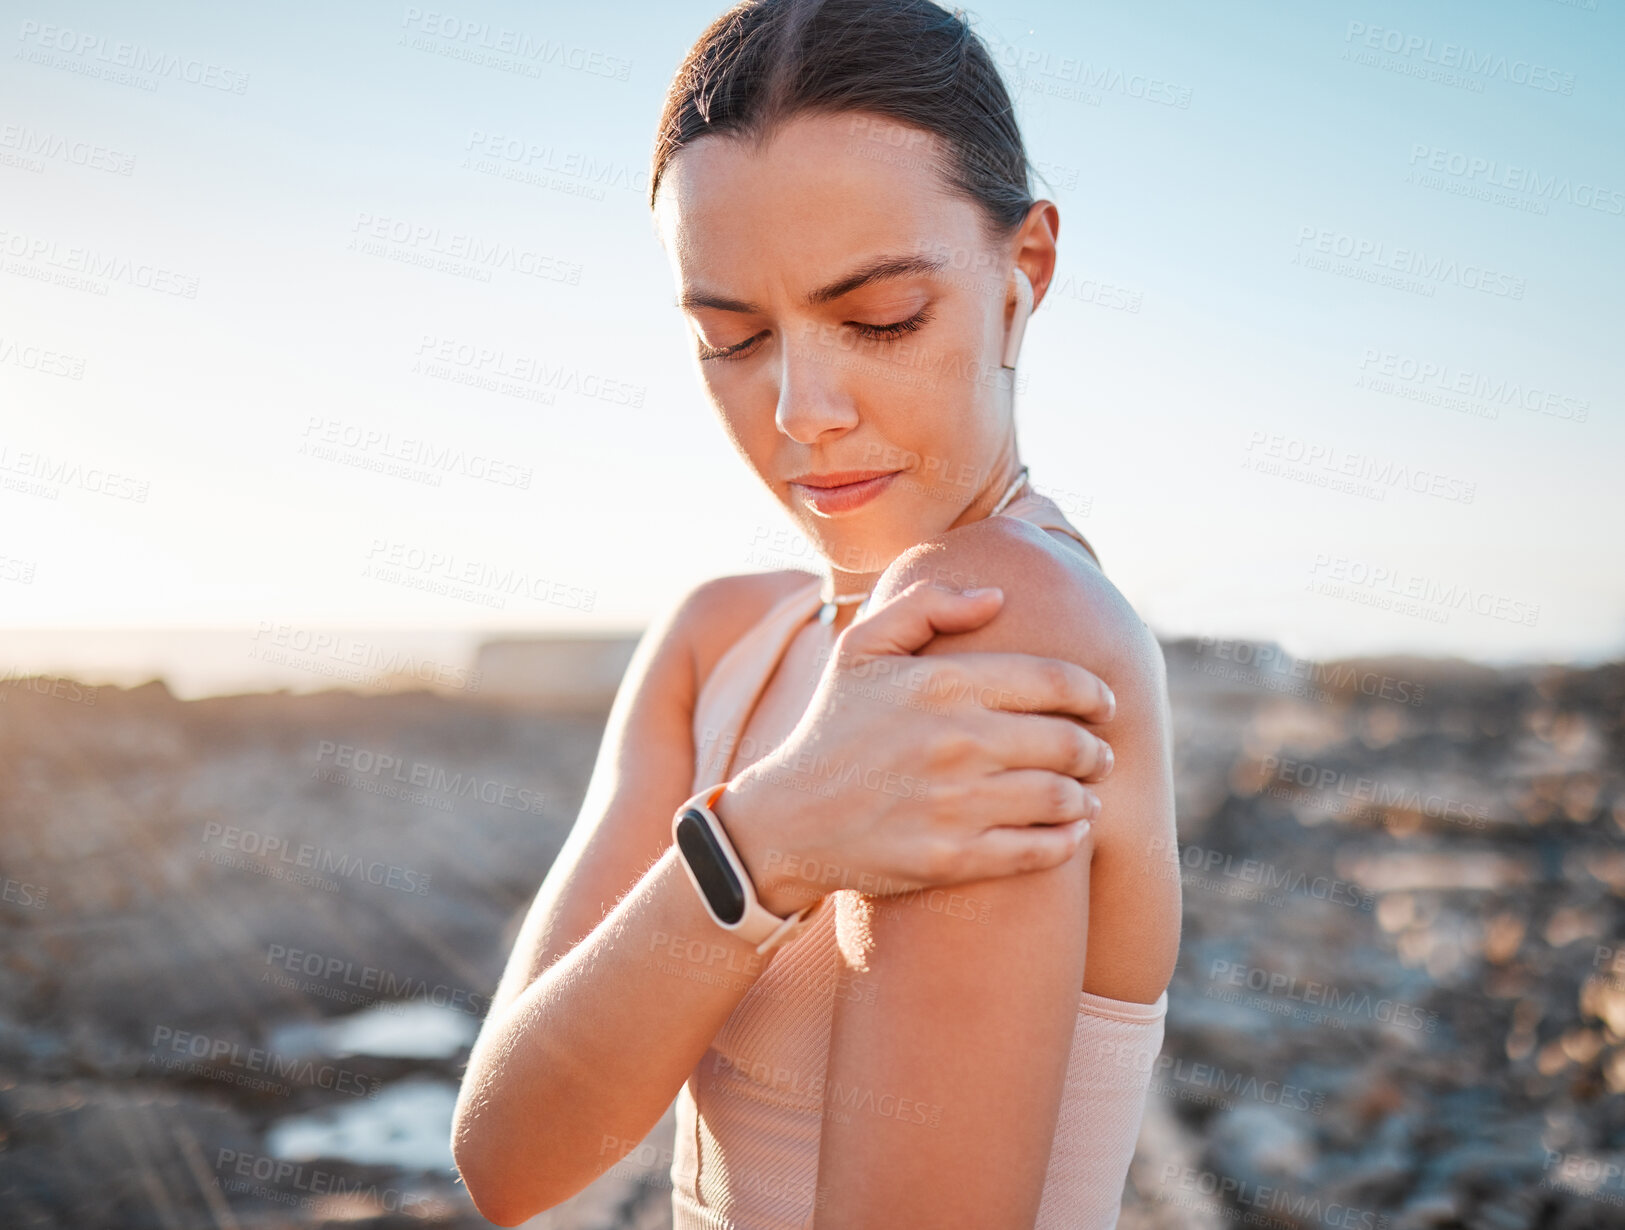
{"points": [[961, 347], [943, 383], [957, 426], [749, 427]]}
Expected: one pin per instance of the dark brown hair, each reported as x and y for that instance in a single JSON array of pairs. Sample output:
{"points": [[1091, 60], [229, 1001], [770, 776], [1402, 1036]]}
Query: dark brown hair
{"points": [[764, 61]]}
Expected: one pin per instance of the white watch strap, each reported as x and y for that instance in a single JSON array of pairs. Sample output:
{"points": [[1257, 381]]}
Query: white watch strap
{"points": [[758, 924]]}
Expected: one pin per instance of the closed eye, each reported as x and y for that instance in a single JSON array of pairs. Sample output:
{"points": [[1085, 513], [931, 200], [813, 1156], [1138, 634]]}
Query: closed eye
{"points": [[893, 330], [730, 352], [874, 332]]}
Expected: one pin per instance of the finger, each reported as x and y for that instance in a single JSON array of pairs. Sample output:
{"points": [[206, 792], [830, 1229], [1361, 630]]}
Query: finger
{"points": [[910, 620], [1030, 683], [1044, 741], [1025, 797], [1002, 851]]}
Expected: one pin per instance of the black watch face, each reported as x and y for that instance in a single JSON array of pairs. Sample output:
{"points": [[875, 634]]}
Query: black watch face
{"points": [[710, 866]]}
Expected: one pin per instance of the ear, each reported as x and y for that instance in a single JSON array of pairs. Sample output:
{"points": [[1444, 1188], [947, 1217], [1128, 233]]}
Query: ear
{"points": [[1033, 246]]}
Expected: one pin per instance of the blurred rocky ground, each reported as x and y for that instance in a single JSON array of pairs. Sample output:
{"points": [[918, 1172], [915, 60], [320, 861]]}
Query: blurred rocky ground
{"points": [[245, 943]]}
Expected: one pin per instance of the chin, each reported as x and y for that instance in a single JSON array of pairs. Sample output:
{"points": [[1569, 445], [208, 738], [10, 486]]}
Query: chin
{"points": [[851, 551]]}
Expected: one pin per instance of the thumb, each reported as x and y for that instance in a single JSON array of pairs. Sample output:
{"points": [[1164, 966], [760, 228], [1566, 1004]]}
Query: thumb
{"points": [[908, 622]]}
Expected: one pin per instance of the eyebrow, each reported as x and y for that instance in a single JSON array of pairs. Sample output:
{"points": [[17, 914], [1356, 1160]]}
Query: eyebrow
{"points": [[878, 269]]}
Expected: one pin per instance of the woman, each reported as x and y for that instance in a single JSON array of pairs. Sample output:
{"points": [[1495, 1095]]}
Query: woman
{"points": [[909, 1036]]}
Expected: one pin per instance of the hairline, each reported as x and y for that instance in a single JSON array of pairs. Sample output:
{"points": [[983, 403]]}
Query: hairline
{"points": [[760, 129]]}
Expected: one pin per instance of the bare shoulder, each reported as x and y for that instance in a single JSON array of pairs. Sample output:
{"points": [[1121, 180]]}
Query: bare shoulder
{"points": [[678, 650], [1059, 604], [644, 769], [716, 613], [1057, 601]]}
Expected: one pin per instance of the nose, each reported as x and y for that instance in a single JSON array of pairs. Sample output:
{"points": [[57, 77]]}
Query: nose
{"points": [[815, 389]]}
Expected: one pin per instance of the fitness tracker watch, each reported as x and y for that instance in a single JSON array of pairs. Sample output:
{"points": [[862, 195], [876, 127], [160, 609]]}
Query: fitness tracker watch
{"points": [[721, 880]]}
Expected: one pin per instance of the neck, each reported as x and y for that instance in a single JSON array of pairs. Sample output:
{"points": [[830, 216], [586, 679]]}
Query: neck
{"points": [[1001, 475]]}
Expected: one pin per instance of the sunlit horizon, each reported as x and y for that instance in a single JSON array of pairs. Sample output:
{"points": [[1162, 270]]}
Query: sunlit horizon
{"points": [[354, 330]]}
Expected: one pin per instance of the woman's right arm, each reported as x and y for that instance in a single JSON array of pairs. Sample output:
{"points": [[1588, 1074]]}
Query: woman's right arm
{"points": [[577, 1070], [619, 979]]}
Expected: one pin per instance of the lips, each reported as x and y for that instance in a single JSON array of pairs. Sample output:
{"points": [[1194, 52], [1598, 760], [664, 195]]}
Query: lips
{"points": [[841, 491], [838, 478]]}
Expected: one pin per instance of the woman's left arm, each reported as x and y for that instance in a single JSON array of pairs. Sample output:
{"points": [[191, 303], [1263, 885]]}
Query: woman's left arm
{"points": [[948, 1055]]}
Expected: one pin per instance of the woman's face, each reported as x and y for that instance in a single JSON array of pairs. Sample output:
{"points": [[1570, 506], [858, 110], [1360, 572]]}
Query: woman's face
{"points": [[849, 317]]}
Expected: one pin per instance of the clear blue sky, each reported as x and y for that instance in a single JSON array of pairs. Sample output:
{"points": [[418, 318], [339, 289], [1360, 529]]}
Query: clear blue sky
{"points": [[1299, 242]]}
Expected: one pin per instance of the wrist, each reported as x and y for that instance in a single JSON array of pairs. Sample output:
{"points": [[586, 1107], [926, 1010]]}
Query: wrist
{"points": [[771, 867]]}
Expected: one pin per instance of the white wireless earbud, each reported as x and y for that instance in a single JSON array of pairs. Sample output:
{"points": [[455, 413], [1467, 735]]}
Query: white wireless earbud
{"points": [[1018, 324]]}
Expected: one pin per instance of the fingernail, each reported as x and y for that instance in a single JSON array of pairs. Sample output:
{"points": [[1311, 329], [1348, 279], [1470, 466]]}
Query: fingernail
{"points": [[1108, 757], [980, 590], [1111, 704]]}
